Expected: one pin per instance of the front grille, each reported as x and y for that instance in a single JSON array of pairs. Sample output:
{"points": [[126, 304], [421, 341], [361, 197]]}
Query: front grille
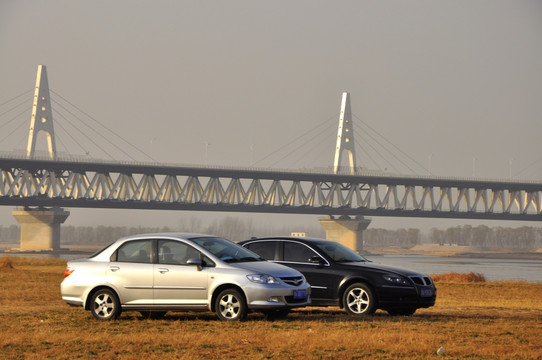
{"points": [[293, 280], [421, 280]]}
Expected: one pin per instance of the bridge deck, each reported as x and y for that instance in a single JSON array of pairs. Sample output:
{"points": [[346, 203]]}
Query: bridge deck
{"points": [[72, 183]]}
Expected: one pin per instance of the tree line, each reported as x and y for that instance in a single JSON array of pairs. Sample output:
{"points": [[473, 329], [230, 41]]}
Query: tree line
{"points": [[232, 228], [383, 237], [238, 229], [524, 237]]}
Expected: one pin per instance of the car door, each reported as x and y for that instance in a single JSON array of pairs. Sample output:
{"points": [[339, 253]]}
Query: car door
{"points": [[296, 255], [175, 280], [131, 272]]}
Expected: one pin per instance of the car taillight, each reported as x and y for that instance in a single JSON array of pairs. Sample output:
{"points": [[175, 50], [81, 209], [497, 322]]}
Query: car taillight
{"points": [[68, 272]]}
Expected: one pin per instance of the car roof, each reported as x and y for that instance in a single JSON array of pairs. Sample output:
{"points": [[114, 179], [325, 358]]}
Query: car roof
{"points": [[305, 240], [169, 235]]}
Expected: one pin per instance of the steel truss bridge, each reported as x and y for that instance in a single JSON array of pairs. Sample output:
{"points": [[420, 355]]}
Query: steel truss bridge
{"points": [[71, 183]]}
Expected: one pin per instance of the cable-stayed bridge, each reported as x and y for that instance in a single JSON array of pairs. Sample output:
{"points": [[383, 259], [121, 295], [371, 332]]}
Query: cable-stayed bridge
{"points": [[53, 181]]}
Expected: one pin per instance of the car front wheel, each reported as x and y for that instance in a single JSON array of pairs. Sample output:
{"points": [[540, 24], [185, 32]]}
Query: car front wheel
{"points": [[105, 305], [231, 305], [358, 299]]}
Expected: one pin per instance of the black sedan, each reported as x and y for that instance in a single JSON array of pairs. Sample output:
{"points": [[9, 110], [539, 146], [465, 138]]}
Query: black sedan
{"points": [[340, 277]]}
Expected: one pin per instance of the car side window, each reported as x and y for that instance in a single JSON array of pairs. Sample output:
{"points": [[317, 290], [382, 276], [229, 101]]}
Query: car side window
{"points": [[139, 251], [266, 249], [296, 252], [176, 252]]}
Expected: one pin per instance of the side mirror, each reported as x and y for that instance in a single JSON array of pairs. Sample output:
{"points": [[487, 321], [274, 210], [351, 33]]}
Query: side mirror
{"points": [[196, 262], [317, 260]]}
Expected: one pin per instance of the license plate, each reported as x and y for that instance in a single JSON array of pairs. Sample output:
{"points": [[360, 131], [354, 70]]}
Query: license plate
{"points": [[300, 294], [427, 293]]}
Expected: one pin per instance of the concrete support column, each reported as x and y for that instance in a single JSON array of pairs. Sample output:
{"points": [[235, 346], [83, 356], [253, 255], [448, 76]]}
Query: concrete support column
{"points": [[40, 228], [346, 230]]}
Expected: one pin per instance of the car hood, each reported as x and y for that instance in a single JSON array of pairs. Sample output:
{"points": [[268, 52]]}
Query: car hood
{"points": [[381, 267], [268, 268]]}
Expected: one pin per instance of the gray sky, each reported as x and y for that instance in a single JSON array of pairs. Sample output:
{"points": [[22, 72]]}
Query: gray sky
{"points": [[457, 85]]}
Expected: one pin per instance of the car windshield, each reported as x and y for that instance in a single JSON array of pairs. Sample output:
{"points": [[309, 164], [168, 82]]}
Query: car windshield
{"points": [[226, 250], [340, 253]]}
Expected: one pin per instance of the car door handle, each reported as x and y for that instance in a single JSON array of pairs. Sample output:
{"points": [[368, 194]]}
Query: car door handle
{"points": [[114, 268], [163, 270]]}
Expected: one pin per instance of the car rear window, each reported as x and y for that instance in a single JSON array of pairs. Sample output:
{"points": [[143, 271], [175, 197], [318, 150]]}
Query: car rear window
{"points": [[266, 249]]}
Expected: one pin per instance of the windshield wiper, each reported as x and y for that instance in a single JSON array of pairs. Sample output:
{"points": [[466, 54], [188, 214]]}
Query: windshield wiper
{"points": [[243, 259]]}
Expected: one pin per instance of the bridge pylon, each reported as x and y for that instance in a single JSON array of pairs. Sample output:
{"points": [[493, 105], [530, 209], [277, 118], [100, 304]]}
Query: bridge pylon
{"points": [[42, 116], [345, 230], [40, 227], [345, 137]]}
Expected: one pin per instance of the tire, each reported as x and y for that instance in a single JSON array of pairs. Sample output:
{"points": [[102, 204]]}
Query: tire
{"points": [[358, 299], [105, 305], [231, 305], [153, 315], [402, 311]]}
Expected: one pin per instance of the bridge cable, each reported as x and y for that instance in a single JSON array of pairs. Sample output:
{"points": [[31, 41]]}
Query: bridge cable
{"points": [[88, 138], [16, 128], [16, 97], [74, 140], [377, 152], [366, 153], [390, 164], [316, 144], [15, 117], [105, 127], [528, 167], [389, 142], [60, 140], [292, 141], [13, 108]]}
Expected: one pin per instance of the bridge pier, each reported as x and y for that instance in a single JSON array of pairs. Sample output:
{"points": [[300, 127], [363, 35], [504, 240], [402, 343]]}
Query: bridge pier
{"points": [[346, 230], [40, 228]]}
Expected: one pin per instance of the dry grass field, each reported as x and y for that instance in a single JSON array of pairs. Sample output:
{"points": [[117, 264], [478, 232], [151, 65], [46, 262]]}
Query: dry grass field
{"points": [[472, 319]]}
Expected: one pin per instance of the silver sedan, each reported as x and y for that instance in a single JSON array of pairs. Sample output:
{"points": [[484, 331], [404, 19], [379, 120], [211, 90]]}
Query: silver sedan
{"points": [[156, 273]]}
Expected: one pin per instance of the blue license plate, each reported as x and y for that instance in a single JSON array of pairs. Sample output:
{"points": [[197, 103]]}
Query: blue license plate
{"points": [[300, 294], [426, 293]]}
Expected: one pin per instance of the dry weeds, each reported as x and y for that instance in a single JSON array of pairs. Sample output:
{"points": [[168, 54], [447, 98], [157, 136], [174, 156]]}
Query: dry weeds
{"points": [[6, 263], [472, 320], [455, 277]]}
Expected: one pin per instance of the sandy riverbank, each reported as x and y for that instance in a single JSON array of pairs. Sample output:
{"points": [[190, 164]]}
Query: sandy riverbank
{"points": [[455, 250]]}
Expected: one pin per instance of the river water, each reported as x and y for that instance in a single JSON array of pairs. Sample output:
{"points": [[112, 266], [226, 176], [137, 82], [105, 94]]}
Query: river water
{"points": [[493, 269]]}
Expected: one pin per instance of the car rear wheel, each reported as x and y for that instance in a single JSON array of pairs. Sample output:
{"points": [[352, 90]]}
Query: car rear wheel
{"points": [[105, 305], [358, 299], [230, 305]]}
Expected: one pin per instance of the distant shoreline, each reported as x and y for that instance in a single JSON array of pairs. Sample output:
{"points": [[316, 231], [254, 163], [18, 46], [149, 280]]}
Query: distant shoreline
{"points": [[455, 251]]}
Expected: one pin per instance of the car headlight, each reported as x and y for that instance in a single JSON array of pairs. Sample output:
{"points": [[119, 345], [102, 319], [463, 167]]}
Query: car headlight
{"points": [[263, 279], [396, 279]]}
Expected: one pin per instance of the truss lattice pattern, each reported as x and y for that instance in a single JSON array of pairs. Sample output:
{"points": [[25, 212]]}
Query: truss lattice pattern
{"points": [[104, 185]]}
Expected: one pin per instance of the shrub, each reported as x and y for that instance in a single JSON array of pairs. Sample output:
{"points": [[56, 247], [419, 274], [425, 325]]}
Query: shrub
{"points": [[456, 277], [6, 263]]}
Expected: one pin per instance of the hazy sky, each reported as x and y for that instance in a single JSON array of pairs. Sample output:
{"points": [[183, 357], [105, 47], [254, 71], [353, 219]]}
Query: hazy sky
{"points": [[457, 85]]}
